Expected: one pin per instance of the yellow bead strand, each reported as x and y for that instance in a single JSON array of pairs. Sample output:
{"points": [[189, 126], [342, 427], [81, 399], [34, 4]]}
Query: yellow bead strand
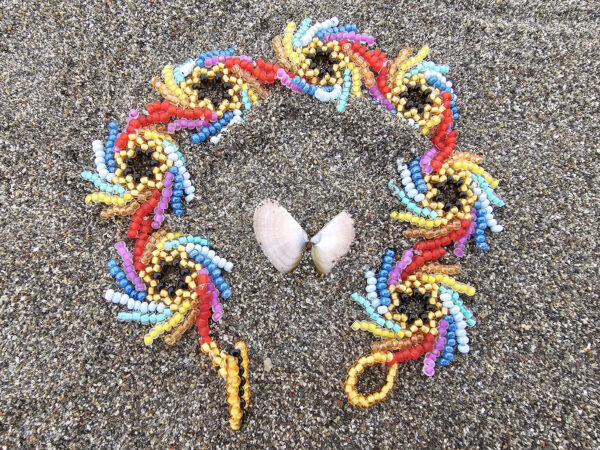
{"points": [[375, 329]]}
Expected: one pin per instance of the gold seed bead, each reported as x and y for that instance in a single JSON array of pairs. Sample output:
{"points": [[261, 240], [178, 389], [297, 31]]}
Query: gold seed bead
{"points": [[396, 344], [153, 239], [435, 267], [184, 325], [253, 82], [241, 346], [232, 382]]}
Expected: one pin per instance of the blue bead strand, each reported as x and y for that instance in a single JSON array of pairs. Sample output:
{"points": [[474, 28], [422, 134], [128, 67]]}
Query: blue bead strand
{"points": [[417, 175], [341, 106], [300, 32], [123, 282], [110, 188], [479, 234], [447, 353], [113, 131], [177, 192], [203, 56], [212, 129], [382, 277]]}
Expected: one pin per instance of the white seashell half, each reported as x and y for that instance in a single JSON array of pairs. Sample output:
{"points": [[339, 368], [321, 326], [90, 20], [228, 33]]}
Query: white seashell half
{"points": [[332, 242], [281, 238]]}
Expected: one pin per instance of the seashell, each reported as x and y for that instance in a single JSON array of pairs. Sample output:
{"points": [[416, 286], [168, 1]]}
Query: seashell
{"points": [[332, 242], [281, 238]]}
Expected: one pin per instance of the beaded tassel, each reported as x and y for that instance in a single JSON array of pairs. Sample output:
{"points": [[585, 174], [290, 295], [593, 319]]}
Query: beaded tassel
{"points": [[174, 309]]}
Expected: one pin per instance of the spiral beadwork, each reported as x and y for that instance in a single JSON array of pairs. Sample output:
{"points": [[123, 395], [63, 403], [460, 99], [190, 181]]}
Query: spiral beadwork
{"points": [[450, 199], [444, 194], [141, 173]]}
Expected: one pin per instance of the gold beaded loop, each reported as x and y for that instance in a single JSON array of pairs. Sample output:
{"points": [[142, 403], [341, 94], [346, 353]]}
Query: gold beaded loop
{"points": [[233, 398], [362, 401]]}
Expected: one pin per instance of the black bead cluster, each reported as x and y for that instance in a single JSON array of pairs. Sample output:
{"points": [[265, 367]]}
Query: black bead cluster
{"points": [[417, 98], [449, 193], [323, 61], [203, 89], [412, 316], [139, 166], [166, 272]]}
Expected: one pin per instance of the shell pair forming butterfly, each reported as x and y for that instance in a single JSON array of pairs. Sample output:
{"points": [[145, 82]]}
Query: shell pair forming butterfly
{"points": [[282, 239]]}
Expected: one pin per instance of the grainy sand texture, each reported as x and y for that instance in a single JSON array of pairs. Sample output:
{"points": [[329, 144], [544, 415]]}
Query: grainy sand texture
{"points": [[71, 376]]}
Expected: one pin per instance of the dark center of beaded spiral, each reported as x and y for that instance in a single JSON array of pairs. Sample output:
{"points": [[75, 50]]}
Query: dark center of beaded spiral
{"points": [[212, 89], [171, 277], [417, 97], [449, 193], [140, 165], [322, 61], [415, 306]]}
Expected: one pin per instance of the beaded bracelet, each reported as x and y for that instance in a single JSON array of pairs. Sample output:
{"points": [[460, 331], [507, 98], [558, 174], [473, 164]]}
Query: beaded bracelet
{"points": [[448, 197]]}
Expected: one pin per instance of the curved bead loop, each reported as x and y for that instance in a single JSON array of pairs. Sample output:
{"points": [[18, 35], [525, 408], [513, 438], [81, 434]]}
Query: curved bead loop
{"points": [[358, 399]]}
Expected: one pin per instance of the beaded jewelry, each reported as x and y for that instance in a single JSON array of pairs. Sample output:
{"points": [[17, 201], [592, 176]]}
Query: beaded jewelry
{"points": [[146, 191], [449, 198]]}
